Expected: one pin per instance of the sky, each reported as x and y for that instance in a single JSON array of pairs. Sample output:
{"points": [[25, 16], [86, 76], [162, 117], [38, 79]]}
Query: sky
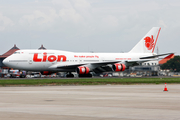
{"points": [[88, 25]]}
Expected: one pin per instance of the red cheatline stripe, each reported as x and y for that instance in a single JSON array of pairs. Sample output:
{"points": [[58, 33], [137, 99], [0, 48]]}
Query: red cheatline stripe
{"points": [[156, 39]]}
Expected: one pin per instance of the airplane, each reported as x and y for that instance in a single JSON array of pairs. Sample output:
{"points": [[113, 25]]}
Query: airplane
{"points": [[48, 61]]}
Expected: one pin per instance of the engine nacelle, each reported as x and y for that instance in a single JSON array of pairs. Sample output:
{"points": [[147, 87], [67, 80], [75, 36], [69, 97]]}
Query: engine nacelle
{"points": [[83, 70], [118, 67], [46, 73]]}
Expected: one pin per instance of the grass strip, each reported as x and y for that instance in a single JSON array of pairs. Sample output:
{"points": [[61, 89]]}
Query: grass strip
{"points": [[88, 81]]}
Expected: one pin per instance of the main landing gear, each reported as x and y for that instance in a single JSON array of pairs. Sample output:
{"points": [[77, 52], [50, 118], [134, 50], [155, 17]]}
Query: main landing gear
{"points": [[69, 75], [85, 75]]}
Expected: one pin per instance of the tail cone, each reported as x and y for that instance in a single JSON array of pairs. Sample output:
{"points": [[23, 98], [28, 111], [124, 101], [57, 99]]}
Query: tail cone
{"points": [[165, 88]]}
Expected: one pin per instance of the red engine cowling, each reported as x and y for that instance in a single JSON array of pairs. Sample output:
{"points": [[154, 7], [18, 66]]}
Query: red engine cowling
{"points": [[119, 67], [83, 70], [46, 72]]}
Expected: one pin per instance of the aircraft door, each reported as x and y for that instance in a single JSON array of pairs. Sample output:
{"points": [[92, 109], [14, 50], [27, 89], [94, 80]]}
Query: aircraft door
{"points": [[30, 60]]}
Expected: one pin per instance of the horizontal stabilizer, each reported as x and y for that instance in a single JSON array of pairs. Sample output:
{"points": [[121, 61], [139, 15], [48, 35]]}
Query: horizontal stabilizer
{"points": [[155, 56]]}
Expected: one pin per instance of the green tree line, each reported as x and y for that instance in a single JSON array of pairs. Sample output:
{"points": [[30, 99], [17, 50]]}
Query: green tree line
{"points": [[172, 64]]}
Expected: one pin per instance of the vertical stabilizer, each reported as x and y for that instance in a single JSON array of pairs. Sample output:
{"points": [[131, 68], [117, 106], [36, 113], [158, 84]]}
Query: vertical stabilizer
{"points": [[148, 42]]}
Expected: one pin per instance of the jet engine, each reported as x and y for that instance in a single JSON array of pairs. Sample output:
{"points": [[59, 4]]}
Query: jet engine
{"points": [[83, 70], [118, 67]]}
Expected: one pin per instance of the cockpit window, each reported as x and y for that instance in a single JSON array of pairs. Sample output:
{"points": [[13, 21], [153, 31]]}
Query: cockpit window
{"points": [[16, 52]]}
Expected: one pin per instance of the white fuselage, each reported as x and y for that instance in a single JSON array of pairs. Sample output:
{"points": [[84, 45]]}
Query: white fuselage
{"points": [[48, 60]]}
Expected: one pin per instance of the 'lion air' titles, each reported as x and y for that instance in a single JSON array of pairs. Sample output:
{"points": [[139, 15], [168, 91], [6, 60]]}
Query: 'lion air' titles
{"points": [[50, 58]]}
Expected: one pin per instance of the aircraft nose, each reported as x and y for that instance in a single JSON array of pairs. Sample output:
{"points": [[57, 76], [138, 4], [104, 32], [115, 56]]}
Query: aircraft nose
{"points": [[5, 61]]}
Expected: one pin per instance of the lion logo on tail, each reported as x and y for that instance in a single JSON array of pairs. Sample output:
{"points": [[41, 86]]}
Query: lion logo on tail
{"points": [[149, 42]]}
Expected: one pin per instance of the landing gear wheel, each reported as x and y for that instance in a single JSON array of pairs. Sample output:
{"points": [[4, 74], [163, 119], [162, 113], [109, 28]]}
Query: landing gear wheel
{"points": [[85, 75], [69, 75]]}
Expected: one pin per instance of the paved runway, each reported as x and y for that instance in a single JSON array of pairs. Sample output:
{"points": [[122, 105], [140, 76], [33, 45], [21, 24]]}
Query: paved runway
{"points": [[106, 102]]}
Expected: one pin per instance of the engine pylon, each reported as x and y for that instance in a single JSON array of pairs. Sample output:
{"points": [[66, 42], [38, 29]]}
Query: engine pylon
{"points": [[165, 88]]}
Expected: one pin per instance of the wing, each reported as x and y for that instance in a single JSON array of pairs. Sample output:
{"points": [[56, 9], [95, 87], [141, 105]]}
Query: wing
{"points": [[99, 66]]}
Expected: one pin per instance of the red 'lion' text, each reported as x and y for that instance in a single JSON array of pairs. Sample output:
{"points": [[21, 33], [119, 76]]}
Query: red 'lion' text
{"points": [[50, 58]]}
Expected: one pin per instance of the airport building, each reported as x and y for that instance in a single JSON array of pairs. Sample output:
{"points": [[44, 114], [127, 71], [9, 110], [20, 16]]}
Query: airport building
{"points": [[42, 48]]}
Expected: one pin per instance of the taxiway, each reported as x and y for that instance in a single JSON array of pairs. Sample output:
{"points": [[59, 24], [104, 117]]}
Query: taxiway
{"points": [[104, 102]]}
